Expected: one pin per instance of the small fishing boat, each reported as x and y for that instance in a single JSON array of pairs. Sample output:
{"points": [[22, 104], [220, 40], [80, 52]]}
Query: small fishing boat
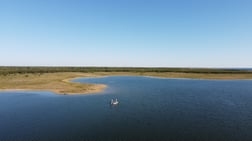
{"points": [[114, 102]]}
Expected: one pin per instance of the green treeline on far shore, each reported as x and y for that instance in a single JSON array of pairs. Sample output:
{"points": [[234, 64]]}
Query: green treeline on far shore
{"points": [[22, 70]]}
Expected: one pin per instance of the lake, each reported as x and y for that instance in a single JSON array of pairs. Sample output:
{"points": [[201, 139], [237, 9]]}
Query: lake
{"points": [[150, 109]]}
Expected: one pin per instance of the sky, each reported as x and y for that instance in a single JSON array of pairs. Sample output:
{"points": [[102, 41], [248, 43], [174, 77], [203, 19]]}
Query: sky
{"points": [[126, 33]]}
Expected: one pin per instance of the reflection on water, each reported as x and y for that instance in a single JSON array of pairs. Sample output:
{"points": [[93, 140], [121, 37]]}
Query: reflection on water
{"points": [[150, 109]]}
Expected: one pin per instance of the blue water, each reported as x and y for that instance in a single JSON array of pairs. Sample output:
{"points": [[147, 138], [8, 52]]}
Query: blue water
{"points": [[150, 109]]}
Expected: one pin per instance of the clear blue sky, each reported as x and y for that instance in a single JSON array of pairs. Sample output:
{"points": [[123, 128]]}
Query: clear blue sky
{"points": [[144, 33]]}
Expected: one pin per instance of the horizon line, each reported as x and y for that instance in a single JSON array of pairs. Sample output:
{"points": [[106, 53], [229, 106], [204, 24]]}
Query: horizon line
{"points": [[125, 67]]}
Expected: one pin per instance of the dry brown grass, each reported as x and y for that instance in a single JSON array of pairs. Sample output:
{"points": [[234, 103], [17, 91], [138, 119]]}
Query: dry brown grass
{"points": [[178, 75], [55, 82], [59, 82], [200, 75]]}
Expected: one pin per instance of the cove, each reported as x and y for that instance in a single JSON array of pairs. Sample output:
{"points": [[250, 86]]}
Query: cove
{"points": [[150, 109]]}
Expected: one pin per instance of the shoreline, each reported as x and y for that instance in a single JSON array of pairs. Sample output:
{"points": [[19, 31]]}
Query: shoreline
{"points": [[57, 83], [178, 78], [98, 89], [61, 83]]}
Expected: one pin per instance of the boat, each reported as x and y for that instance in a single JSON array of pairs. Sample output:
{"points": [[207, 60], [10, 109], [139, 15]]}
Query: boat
{"points": [[114, 102]]}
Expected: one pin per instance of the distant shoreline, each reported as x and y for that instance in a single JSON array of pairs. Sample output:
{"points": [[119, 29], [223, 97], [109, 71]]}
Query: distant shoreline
{"points": [[60, 82]]}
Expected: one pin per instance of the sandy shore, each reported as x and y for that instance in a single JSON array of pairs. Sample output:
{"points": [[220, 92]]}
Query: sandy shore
{"points": [[60, 83]]}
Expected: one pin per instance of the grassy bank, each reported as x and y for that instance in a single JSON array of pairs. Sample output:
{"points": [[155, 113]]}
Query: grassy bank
{"points": [[55, 82], [57, 79]]}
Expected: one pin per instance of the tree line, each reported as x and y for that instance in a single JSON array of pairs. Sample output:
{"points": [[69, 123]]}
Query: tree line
{"points": [[23, 70]]}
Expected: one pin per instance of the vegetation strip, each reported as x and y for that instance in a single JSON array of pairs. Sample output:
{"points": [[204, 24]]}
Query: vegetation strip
{"points": [[21, 70], [56, 79]]}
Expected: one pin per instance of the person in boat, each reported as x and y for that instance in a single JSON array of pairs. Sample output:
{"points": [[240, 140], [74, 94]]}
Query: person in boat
{"points": [[114, 102]]}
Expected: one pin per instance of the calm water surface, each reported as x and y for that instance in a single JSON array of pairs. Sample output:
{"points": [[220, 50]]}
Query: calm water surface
{"points": [[150, 109]]}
